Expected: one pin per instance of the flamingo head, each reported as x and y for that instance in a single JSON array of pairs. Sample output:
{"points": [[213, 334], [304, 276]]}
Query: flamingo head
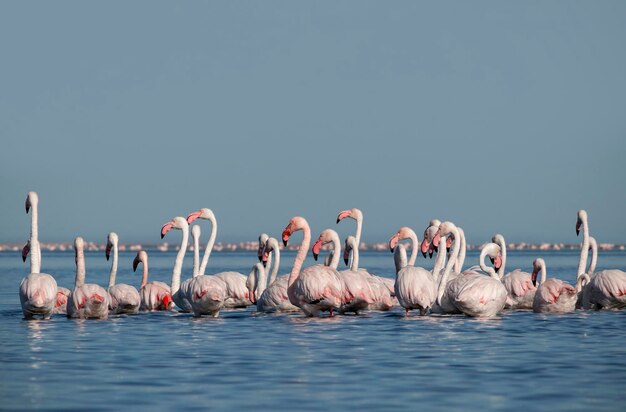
{"points": [[204, 213], [142, 256], [446, 228], [111, 242], [537, 265], [25, 251], [497, 262], [177, 223], [31, 200], [353, 213], [262, 241], [402, 233], [268, 248], [317, 246], [429, 234], [79, 245], [582, 216]]}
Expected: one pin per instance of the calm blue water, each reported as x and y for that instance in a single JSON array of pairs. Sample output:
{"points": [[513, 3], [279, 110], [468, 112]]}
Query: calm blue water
{"points": [[281, 362]]}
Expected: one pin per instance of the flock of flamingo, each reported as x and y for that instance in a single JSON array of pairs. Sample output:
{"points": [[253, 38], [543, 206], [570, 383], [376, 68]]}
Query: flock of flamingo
{"points": [[480, 291]]}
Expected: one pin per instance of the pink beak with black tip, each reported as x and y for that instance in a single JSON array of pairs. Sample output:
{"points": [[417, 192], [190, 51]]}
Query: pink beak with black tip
{"points": [[166, 228], [193, 216]]}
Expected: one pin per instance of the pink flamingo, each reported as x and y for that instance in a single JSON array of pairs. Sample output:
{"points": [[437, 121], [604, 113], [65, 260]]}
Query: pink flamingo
{"points": [[314, 288], [88, 300], [553, 295], [237, 292], [206, 294], [519, 285], [274, 298], [38, 291], [154, 295], [472, 293], [382, 298], [357, 294], [124, 298], [415, 286], [606, 289]]}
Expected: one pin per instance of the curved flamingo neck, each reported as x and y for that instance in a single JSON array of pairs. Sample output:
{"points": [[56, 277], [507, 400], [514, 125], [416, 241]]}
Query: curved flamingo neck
{"points": [[80, 267], [414, 247], [195, 234], [276, 264], [594, 255], [399, 258], [487, 269], [178, 265], [458, 265], [455, 252], [113, 273], [544, 273], [440, 260], [144, 278], [584, 248], [209, 246], [261, 276], [336, 254], [499, 240], [354, 245], [301, 255]]}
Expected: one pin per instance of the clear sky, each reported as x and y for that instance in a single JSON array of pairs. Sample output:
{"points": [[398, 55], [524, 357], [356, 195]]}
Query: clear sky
{"points": [[502, 116]]}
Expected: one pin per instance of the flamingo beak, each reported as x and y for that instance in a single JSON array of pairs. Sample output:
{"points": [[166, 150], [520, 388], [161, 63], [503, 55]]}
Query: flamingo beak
{"points": [[497, 262], [107, 252], [346, 258], [27, 206], [167, 301], [533, 277], [317, 246], [577, 228], [136, 263], [393, 242], [193, 216], [436, 240], [166, 228], [425, 247], [342, 215], [25, 251], [286, 235]]}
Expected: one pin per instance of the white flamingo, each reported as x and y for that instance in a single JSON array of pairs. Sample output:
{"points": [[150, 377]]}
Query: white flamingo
{"points": [[382, 298], [553, 295], [314, 288], [472, 293], [583, 296], [237, 292], [519, 285], [606, 289], [356, 215], [357, 294], [88, 300], [154, 295], [124, 298], [274, 298], [38, 291], [415, 287], [206, 294]]}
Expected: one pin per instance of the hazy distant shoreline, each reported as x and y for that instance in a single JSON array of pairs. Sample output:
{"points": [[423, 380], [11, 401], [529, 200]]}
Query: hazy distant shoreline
{"points": [[252, 246]]}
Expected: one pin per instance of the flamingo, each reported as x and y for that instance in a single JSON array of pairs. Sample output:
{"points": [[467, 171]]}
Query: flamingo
{"points": [[206, 294], [606, 289], [314, 288], [427, 247], [583, 296], [357, 294], [472, 293], [88, 300], [553, 295], [38, 291], [179, 296], [275, 298], [124, 298], [154, 295], [357, 216], [415, 286], [382, 298], [519, 285], [237, 292]]}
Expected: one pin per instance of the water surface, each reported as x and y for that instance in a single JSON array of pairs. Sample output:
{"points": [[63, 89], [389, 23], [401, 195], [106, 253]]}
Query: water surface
{"points": [[246, 360]]}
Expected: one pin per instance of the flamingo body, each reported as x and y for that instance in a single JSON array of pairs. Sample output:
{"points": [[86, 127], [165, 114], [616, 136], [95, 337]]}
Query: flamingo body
{"points": [[63, 295], [606, 290], [207, 295], [477, 295], [237, 294], [317, 288], [124, 299], [155, 296], [89, 301], [275, 297], [520, 290], [38, 294], [554, 296], [415, 289]]}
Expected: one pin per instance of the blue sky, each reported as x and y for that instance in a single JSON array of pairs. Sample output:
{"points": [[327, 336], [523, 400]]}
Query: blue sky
{"points": [[502, 116]]}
